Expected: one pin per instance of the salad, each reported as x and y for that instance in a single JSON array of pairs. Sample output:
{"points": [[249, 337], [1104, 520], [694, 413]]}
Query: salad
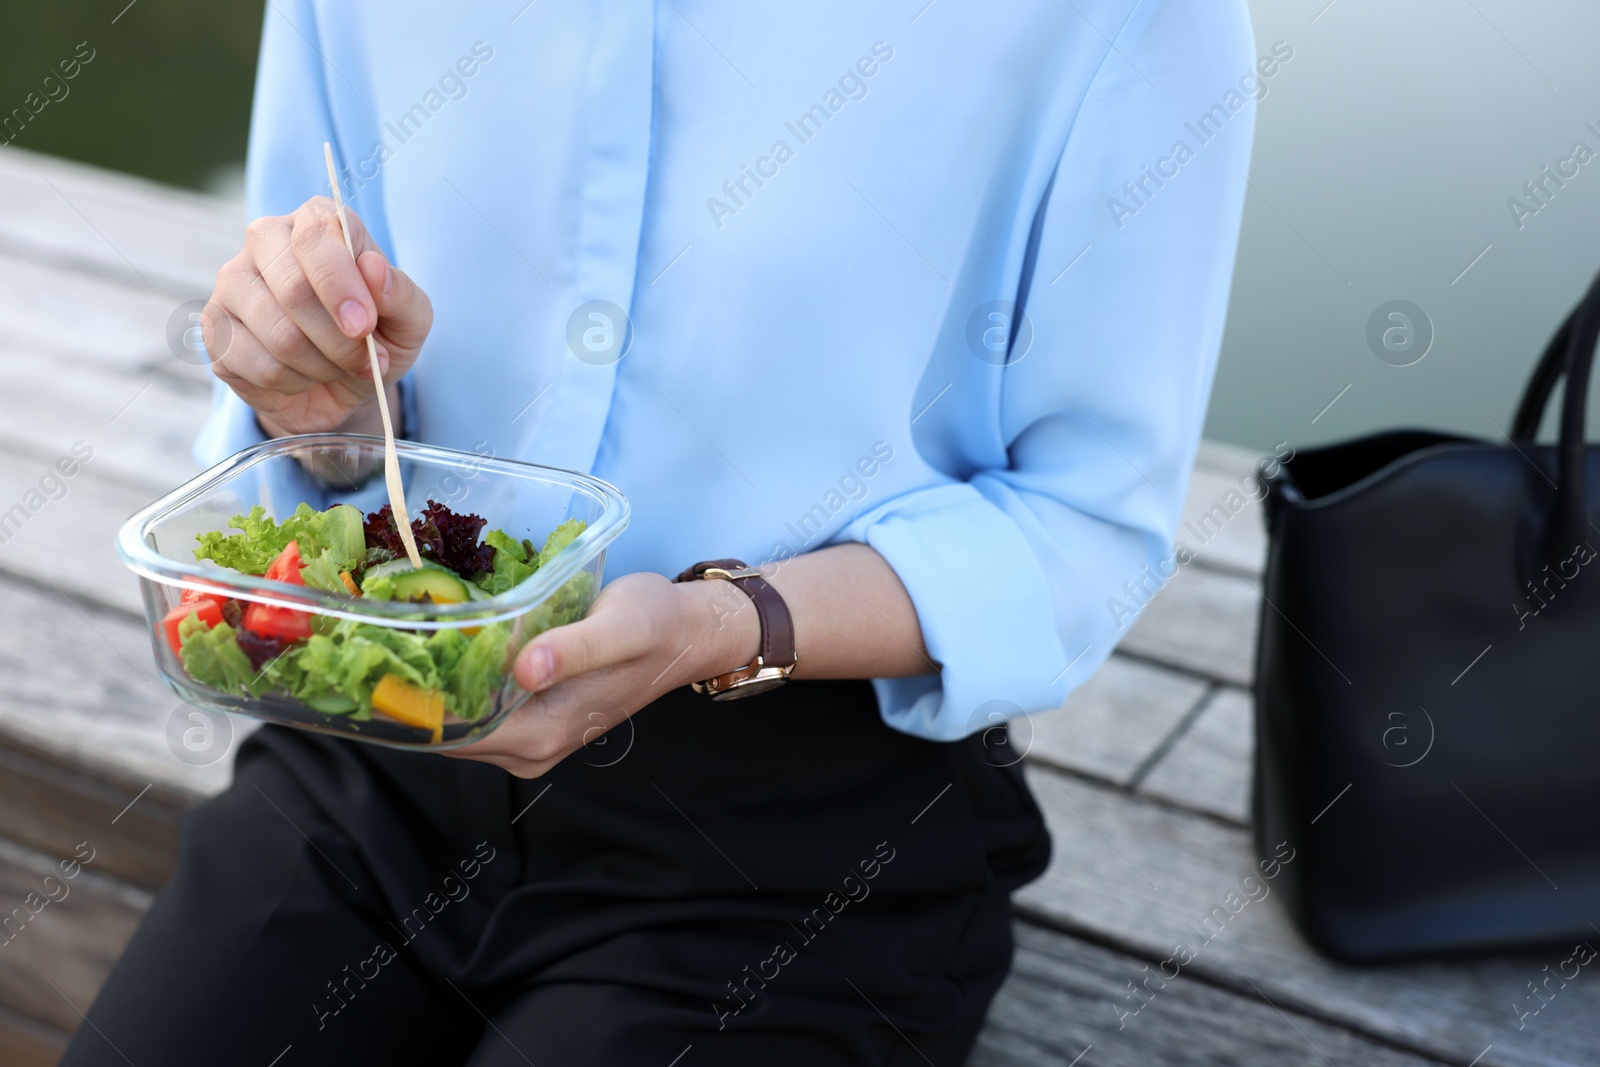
{"points": [[354, 669]]}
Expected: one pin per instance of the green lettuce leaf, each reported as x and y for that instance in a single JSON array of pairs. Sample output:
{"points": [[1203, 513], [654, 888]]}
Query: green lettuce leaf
{"points": [[336, 531], [410, 649], [250, 551], [284, 673], [565, 605], [474, 680], [511, 565], [504, 542], [446, 647], [212, 656], [560, 538], [516, 561], [336, 671], [323, 573]]}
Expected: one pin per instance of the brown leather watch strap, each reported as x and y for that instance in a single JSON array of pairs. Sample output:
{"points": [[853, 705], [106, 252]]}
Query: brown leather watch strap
{"points": [[777, 626]]}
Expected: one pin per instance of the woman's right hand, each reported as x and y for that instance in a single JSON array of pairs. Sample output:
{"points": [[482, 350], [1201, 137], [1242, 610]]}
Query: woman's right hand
{"points": [[286, 324]]}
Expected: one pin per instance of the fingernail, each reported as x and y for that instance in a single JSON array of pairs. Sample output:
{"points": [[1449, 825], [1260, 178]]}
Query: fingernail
{"points": [[388, 279], [383, 363], [543, 665], [352, 317]]}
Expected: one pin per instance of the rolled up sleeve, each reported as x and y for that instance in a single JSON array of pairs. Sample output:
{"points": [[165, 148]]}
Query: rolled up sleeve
{"points": [[1017, 571], [982, 602]]}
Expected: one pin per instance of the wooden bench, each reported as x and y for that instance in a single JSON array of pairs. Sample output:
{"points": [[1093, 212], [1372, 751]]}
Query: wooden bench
{"points": [[1143, 774]]}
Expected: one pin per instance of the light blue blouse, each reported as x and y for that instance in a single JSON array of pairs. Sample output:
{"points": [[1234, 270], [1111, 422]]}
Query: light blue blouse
{"points": [[947, 278]]}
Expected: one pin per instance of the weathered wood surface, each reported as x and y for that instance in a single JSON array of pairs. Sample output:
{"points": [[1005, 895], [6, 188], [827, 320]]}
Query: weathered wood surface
{"points": [[68, 543], [60, 949], [87, 318], [141, 426], [81, 687], [1069, 1002], [1208, 765], [100, 223], [45, 802], [1114, 722], [1203, 621], [1145, 877], [1143, 775], [27, 1043], [1225, 478]]}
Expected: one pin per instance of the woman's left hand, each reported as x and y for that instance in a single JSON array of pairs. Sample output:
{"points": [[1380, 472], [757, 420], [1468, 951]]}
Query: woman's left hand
{"points": [[644, 636]]}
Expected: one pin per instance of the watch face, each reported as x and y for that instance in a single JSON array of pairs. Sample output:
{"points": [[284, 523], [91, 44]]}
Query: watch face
{"points": [[750, 688]]}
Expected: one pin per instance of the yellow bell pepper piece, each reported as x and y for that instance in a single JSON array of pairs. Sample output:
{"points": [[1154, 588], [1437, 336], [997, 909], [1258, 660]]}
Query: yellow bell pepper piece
{"points": [[410, 704]]}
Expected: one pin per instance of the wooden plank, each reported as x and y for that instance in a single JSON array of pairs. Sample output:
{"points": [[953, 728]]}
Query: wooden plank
{"points": [[63, 311], [1144, 876], [1208, 768], [78, 685], [1064, 996], [69, 541], [1221, 524], [49, 807], [1225, 457], [141, 425], [1112, 723], [115, 225], [60, 950], [1203, 621], [25, 1043]]}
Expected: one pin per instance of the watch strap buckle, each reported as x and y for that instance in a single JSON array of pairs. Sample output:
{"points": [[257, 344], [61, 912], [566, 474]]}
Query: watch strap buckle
{"points": [[776, 657]]}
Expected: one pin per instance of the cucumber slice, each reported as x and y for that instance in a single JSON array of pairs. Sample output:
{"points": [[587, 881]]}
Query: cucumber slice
{"points": [[398, 580]]}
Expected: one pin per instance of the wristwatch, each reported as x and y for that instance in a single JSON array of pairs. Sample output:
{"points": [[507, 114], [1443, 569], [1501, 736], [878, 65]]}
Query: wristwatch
{"points": [[776, 657]]}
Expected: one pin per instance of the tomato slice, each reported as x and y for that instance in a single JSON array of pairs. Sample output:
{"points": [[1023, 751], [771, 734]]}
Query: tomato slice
{"points": [[209, 608], [271, 621], [285, 623], [287, 567]]}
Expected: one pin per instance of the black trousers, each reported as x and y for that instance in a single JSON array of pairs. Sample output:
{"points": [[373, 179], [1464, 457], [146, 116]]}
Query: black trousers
{"points": [[783, 880]]}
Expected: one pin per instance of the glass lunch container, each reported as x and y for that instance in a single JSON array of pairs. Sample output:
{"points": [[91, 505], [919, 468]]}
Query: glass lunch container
{"points": [[450, 662]]}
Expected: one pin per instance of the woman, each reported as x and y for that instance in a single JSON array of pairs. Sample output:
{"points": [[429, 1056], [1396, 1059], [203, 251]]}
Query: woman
{"points": [[922, 309]]}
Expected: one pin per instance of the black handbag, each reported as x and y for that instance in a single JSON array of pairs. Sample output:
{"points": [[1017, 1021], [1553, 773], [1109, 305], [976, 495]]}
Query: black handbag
{"points": [[1427, 682]]}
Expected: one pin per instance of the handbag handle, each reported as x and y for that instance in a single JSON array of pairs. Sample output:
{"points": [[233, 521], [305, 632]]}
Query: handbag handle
{"points": [[1569, 354], [1542, 382]]}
